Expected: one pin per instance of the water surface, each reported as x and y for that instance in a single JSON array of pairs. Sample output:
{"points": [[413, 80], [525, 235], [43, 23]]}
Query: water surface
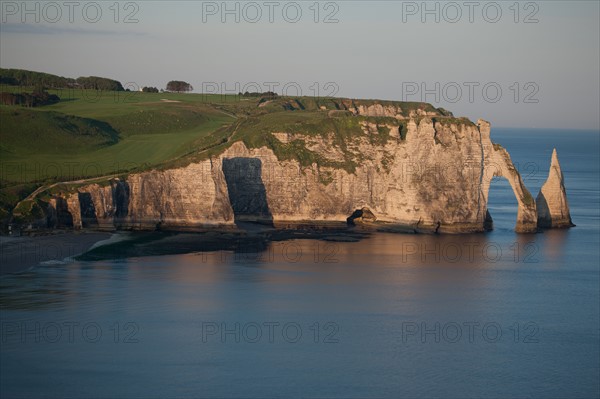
{"points": [[497, 314]]}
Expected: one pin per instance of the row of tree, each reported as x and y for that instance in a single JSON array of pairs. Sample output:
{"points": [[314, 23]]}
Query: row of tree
{"points": [[98, 83], [21, 77], [35, 99], [266, 94], [174, 85]]}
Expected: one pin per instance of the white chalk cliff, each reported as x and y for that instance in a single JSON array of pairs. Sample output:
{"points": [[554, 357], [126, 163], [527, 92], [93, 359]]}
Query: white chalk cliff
{"points": [[552, 204], [434, 177]]}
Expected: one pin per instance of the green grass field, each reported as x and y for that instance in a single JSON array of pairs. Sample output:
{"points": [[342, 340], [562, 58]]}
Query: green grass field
{"points": [[95, 134], [78, 138], [90, 134]]}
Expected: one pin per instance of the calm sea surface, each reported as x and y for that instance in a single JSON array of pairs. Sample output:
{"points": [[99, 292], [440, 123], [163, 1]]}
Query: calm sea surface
{"points": [[486, 315]]}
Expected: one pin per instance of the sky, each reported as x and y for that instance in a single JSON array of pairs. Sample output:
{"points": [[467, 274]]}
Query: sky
{"points": [[527, 64]]}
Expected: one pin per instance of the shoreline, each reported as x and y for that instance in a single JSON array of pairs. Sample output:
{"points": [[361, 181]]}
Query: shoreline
{"points": [[19, 254]]}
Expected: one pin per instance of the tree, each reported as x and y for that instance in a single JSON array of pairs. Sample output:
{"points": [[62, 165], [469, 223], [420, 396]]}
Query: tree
{"points": [[150, 90], [38, 98], [179, 86], [21, 77], [10, 98], [98, 83], [266, 94]]}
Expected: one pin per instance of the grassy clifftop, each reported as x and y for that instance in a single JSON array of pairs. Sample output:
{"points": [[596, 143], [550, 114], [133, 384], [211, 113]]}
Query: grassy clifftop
{"points": [[91, 134], [113, 132]]}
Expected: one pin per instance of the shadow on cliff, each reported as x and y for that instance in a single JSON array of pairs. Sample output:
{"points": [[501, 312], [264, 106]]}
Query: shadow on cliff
{"points": [[88, 210], [247, 192], [543, 210], [62, 217]]}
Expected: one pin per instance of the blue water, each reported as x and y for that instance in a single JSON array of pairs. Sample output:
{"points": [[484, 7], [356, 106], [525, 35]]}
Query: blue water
{"points": [[486, 315]]}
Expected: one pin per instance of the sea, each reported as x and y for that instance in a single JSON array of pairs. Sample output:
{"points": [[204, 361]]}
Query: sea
{"points": [[495, 314]]}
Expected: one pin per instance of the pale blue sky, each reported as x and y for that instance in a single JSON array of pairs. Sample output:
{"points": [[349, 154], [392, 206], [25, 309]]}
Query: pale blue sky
{"points": [[376, 50]]}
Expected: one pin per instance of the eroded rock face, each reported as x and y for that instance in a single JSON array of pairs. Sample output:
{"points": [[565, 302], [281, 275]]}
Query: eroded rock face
{"points": [[193, 196], [394, 111], [436, 178], [552, 204]]}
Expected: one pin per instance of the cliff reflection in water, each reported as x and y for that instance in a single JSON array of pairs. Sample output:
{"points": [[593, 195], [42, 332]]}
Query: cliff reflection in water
{"points": [[416, 265]]}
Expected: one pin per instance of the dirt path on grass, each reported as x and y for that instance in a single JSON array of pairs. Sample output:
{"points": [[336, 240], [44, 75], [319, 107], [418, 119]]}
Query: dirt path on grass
{"points": [[90, 180]]}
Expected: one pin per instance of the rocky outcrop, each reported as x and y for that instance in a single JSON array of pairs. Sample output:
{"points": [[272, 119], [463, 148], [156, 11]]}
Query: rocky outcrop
{"points": [[434, 177], [552, 204], [389, 110]]}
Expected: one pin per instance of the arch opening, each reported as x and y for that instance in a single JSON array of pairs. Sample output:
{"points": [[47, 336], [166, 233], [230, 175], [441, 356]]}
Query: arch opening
{"points": [[502, 206], [361, 215]]}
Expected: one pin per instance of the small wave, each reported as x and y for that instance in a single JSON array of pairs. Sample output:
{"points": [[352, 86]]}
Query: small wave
{"points": [[116, 237], [53, 262]]}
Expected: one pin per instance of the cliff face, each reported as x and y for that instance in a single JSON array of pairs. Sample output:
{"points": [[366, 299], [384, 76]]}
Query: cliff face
{"points": [[552, 205], [433, 177]]}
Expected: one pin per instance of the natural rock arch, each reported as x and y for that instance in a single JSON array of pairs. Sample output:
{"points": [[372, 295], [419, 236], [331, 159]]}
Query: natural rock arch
{"points": [[437, 178], [361, 215], [497, 162]]}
